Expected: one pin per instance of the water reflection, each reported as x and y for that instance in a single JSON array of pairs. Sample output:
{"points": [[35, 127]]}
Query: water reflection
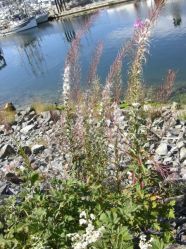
{"points": [[30, 49], [68, 30], [2, 59], [137, 7], [176, 13]]}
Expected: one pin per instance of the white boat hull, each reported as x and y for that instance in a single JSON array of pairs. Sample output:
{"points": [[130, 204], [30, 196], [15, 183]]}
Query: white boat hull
{"points": [[41, 18], [21, 26]]}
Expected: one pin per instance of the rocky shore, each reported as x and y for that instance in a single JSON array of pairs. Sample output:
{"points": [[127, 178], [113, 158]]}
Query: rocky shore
{"points": [[32, 134]]}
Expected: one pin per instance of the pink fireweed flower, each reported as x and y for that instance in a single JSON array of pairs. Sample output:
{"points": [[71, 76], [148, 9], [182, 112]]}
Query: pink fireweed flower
{"points": [[138, 24]]}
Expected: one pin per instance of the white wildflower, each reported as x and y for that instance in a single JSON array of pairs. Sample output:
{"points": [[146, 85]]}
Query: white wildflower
{"points": [[136, 105], [83, 214], [144, 244], [92, 216], [66, 84], [91, 235], [82, 222]]}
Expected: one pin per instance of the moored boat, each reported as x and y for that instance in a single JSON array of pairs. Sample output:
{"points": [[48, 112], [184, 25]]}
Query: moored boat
{"points": [[19, 26], [41, 17]]}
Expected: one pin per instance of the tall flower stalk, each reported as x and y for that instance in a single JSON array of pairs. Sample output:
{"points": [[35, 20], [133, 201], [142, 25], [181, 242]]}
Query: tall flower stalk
{"points": [[165, 90], [141, 40], [114, 79], [72, 69], [92, 77]]}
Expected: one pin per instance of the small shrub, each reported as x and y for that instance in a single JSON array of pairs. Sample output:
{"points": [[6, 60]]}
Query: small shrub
{"points": [[43, 107], [43, 216], [7, 117]]}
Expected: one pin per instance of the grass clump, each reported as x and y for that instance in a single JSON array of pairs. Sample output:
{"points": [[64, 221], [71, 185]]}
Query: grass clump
{"points": [[180, 98], [43, 107], [7, 117], [40, 107]]}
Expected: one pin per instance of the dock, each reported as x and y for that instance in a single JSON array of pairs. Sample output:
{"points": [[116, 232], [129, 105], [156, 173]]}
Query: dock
{"points": [[85, 9]]}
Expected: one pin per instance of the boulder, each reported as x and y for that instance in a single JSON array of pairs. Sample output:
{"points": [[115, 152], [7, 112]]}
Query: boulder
{"points": [[27, 128], [9, 107], [37, 148], [180, 144], [11, 177], [6, 151], [162, 149], [26, 149], [182, 153], [5, 189], [46, 116]]}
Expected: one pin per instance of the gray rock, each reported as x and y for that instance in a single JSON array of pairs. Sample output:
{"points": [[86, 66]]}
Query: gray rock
{"points": [[55, 115], [6, 151], [184, 163], [5, 189], [37, 148], [24, 124], [13, 178], [23, 113], [172, 169], [183, 171], [26, 149], [56, 164], [175, 132], [32, 159], [178, 126], [168, 160], [29, 109], [31, 120], [176, 163], [175, 246], [49, 132], [46, 116], [183, 153], [175, 106], [184, 176], [174, 150], [9, 107], [149, 162], [27, 128], [180, 144], [51, 122], [162, 149], [35, 165], [2, 128]]}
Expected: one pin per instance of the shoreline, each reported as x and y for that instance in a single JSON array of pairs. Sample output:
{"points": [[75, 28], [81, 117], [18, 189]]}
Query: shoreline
{"points": [[76, 11]]}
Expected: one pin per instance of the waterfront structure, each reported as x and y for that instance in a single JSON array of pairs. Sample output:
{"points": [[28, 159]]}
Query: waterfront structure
{"points": [[19, 25]]}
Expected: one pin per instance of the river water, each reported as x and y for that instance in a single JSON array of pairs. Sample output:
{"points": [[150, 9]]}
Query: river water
{"points": [[35, 58]]}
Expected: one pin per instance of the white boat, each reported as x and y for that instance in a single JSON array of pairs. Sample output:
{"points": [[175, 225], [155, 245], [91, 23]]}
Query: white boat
{"points": [[41, 17], [20, 25], [2, 59]]}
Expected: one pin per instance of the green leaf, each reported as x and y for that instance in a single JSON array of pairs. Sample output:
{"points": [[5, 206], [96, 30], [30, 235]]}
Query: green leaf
{"points": [[34, 178], [157, 244], [171, 214]]}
